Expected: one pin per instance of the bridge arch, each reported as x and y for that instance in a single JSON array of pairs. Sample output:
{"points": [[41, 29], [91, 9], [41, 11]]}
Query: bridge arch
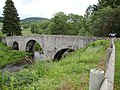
{"points": [[35, 47], [30, 44], [15, 45], [61, 52]]}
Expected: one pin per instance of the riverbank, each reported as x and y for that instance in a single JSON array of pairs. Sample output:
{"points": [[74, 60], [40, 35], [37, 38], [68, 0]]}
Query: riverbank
{"points": [[8, 56]]}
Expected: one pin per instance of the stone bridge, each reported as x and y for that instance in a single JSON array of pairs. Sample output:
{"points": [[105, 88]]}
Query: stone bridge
{"points": [[50, 44]]}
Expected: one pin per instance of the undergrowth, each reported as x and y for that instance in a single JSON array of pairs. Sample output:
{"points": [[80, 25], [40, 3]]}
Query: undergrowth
{"points": [[70, 73]]}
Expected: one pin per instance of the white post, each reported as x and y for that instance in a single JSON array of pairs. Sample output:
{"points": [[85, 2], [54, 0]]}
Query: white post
{"points": [[96, 78]]}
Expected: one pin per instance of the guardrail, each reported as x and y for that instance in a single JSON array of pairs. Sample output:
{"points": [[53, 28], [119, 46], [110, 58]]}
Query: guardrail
{"points": [[99, 80]]}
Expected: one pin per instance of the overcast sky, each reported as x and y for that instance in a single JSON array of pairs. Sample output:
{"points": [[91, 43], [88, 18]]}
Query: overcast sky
{"points": [[47, 8]]}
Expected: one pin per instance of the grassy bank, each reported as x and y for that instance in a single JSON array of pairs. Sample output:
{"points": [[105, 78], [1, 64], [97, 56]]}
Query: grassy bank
{"points": [[70, 73], [8, 56], [27, 32], [117, 66]]}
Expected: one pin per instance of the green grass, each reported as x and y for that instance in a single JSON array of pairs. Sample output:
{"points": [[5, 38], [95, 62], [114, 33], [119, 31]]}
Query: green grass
{"points": [[117, 66], [27, 32], [8, 56], [1, 34], [70, 73]]}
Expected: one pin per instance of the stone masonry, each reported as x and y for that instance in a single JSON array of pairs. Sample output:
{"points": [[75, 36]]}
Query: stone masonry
{"points": [[50, 44]]}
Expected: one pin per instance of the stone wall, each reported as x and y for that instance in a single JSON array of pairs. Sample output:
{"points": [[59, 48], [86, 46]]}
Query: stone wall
{"points": [[51, 44]]}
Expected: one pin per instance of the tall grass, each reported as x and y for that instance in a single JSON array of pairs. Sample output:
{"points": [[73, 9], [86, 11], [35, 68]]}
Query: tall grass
{"points": [[117, 66], [70, 73]]}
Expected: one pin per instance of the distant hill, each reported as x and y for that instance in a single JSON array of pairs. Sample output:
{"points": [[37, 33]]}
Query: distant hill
{"points": [[30, 19], [33, 19], [1, 19]]}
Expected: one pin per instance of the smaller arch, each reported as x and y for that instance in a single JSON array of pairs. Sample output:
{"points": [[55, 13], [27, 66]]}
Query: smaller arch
{"points": [[15, 46], [60, 53], [29, 45], [34, 47]]}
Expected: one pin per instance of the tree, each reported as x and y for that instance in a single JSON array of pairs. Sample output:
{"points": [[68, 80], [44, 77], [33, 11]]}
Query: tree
{"points": [[11, 25], [59, 24], [103, 18], [105, 21], [65, 24], [112, 3], [88, 12], [76, 22], [33, 27]]}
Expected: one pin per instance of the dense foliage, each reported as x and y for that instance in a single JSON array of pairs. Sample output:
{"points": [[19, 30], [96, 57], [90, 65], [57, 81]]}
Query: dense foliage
{"points": [[11, 25], [105, 21], [103, 18], [71, 73], [105, 3], [70, 24], [1, 19], [60, 24]]}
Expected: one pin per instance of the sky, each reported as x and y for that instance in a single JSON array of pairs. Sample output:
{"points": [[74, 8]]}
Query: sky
{"points": [[47, 8]]}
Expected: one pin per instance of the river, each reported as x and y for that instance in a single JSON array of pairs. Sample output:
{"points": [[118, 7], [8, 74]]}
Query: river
{"points": [[38, 56]]}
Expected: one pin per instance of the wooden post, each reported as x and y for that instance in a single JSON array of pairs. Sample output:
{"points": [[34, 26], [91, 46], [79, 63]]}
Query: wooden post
{"points": [[96, 78]]}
